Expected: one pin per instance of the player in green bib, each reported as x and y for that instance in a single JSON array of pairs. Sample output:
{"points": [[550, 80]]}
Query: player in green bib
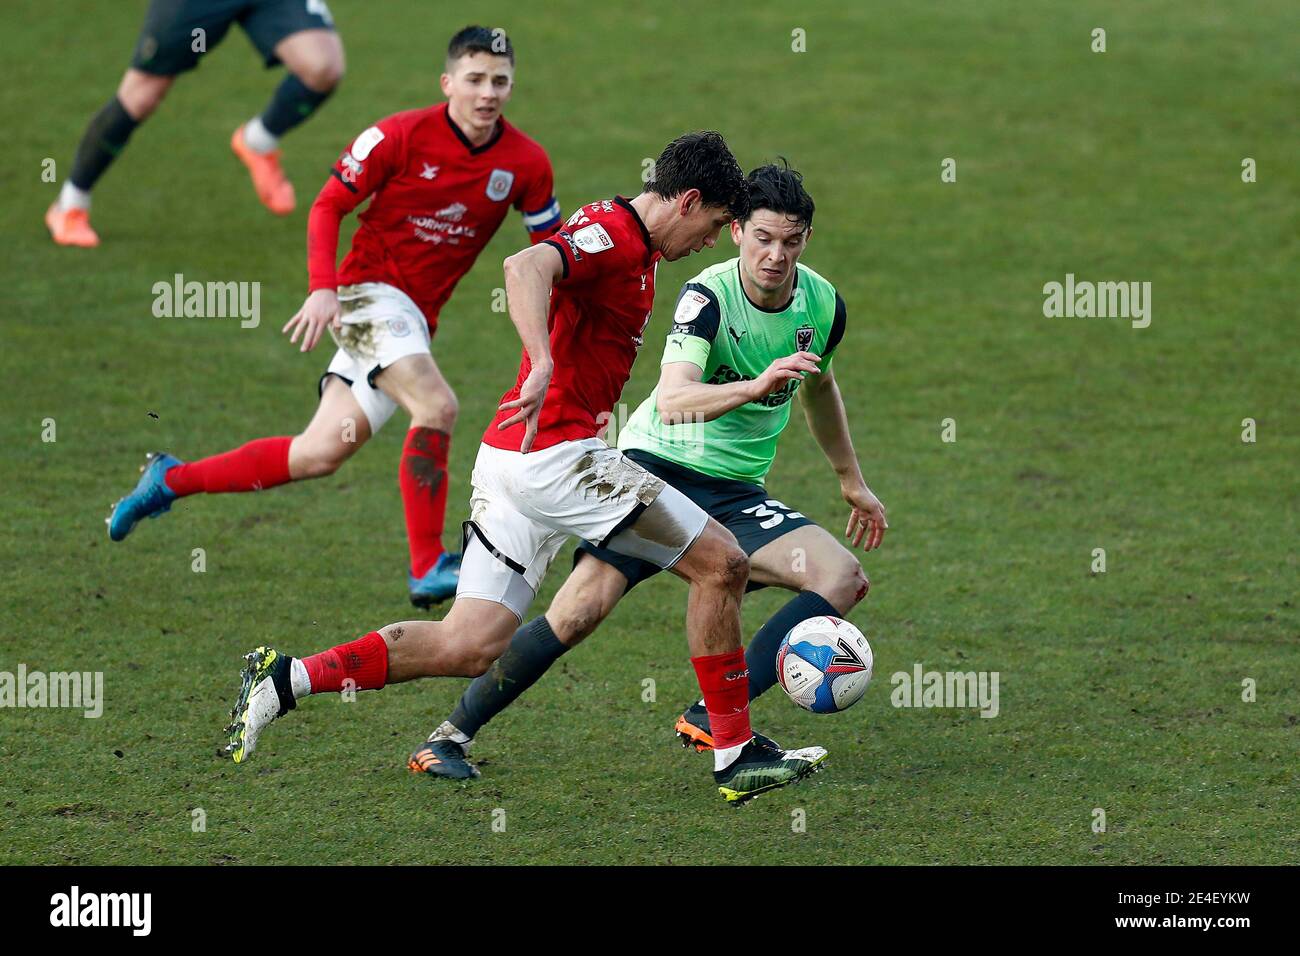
{"points": [[748, 334]]}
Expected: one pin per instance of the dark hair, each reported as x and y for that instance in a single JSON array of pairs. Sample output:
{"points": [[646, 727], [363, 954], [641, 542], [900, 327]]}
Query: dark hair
{"points": [[779, 189], [700, 161], [476, 39]]}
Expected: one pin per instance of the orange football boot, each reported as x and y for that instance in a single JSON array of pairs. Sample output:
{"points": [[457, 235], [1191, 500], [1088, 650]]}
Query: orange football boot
{"points": [[273, 189], [693, 730], [70, 227]]}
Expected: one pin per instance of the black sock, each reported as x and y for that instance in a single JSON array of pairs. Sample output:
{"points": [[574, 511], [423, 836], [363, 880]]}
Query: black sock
{"points": [[532, 650], [105, 137], [291, 103], [760, 656]]}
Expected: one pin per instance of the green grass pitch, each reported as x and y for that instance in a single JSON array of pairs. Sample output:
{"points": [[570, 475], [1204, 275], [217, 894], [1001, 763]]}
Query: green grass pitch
{"points": [[1120, 691]]}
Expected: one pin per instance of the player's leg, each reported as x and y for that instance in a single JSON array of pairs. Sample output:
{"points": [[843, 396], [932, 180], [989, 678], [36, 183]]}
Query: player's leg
{"points": [[584, 600], [463, 644], [167, 47], [717, 570], [827, 578], [339, 427], [300, 35], [635, 513], [336, 431], [494, 595], [806, 559], [745, 764], [417, 385]]}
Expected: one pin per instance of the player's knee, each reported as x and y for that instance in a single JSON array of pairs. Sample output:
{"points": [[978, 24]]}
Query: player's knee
{"points": [[437, 407], [575, 621], [731, 570], [475, 665], [310, 460], [322, 73], [141, 93], [844, 585]]}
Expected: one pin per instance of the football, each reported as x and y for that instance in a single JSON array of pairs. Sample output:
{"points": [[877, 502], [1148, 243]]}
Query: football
{"points": [[824, 664]]}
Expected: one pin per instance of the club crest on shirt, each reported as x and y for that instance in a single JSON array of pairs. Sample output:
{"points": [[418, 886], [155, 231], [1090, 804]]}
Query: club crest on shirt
{"points": [[499, 183], [803, 338]]}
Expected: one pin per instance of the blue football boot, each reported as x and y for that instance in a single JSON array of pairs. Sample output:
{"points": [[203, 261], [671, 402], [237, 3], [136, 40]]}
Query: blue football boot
{"points": [[150, 498], [438, 583]]}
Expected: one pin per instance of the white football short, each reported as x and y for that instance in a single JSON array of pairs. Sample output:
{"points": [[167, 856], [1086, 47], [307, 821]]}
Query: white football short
{"points": [[524, 507], [381, 324]]}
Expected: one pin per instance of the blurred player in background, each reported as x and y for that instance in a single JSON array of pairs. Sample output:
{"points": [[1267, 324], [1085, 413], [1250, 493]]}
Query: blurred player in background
{"points": [[581, 302], [442, 179], [745, 334], [176, 34]]}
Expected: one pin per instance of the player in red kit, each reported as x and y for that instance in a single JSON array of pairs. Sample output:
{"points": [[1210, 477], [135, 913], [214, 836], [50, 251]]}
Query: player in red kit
{"points": [[441, 181], [581, 302]]}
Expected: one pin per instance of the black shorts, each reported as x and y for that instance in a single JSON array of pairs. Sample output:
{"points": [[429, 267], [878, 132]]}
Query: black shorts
{"points": [[744, 509], [176, 33]]}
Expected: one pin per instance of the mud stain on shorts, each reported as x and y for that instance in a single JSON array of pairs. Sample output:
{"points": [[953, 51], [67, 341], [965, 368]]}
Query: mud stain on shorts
{"points": [[351, 301], [611, 476], [357, 339]]}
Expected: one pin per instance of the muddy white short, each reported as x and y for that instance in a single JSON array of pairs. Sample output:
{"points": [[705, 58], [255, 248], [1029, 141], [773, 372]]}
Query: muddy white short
{"points": [[523, 507], [381, 324]]}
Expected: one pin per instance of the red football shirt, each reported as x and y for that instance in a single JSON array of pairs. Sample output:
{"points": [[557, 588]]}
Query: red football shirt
{"points": [[599, 310], [437, 200]]}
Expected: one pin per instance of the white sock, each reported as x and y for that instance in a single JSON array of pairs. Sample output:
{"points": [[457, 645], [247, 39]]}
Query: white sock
{"points": [[258, 137], [724, 758], [299, 682], [70, 197]]}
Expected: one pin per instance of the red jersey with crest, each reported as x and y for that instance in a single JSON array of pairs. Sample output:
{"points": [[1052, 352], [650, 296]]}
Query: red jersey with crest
{"points": [[437, 200], [599, 310]]}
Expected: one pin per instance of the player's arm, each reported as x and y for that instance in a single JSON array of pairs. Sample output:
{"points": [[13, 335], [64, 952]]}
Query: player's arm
{"points": [[360, 171], [828, 421], [682, 395], [530, 276], [538, 205], [683, 398]]}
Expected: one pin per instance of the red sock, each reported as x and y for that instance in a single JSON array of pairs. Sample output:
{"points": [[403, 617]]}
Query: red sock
{"points": [[253, 467], [423, 479], [363, 661], [725, 682]]}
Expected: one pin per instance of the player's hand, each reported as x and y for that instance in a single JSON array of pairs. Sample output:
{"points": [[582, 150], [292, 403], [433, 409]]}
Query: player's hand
{"points": [[529, 405], [320, 309], [867, 519], [783, 370]]}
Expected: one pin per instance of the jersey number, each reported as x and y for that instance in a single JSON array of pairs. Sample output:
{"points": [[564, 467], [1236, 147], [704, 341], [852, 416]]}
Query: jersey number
{"points": [[772, 518]]}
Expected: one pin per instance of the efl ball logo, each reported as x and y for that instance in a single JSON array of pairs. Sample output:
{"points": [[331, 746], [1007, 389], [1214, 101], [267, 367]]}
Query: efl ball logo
{"points": [[824, 664]]}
